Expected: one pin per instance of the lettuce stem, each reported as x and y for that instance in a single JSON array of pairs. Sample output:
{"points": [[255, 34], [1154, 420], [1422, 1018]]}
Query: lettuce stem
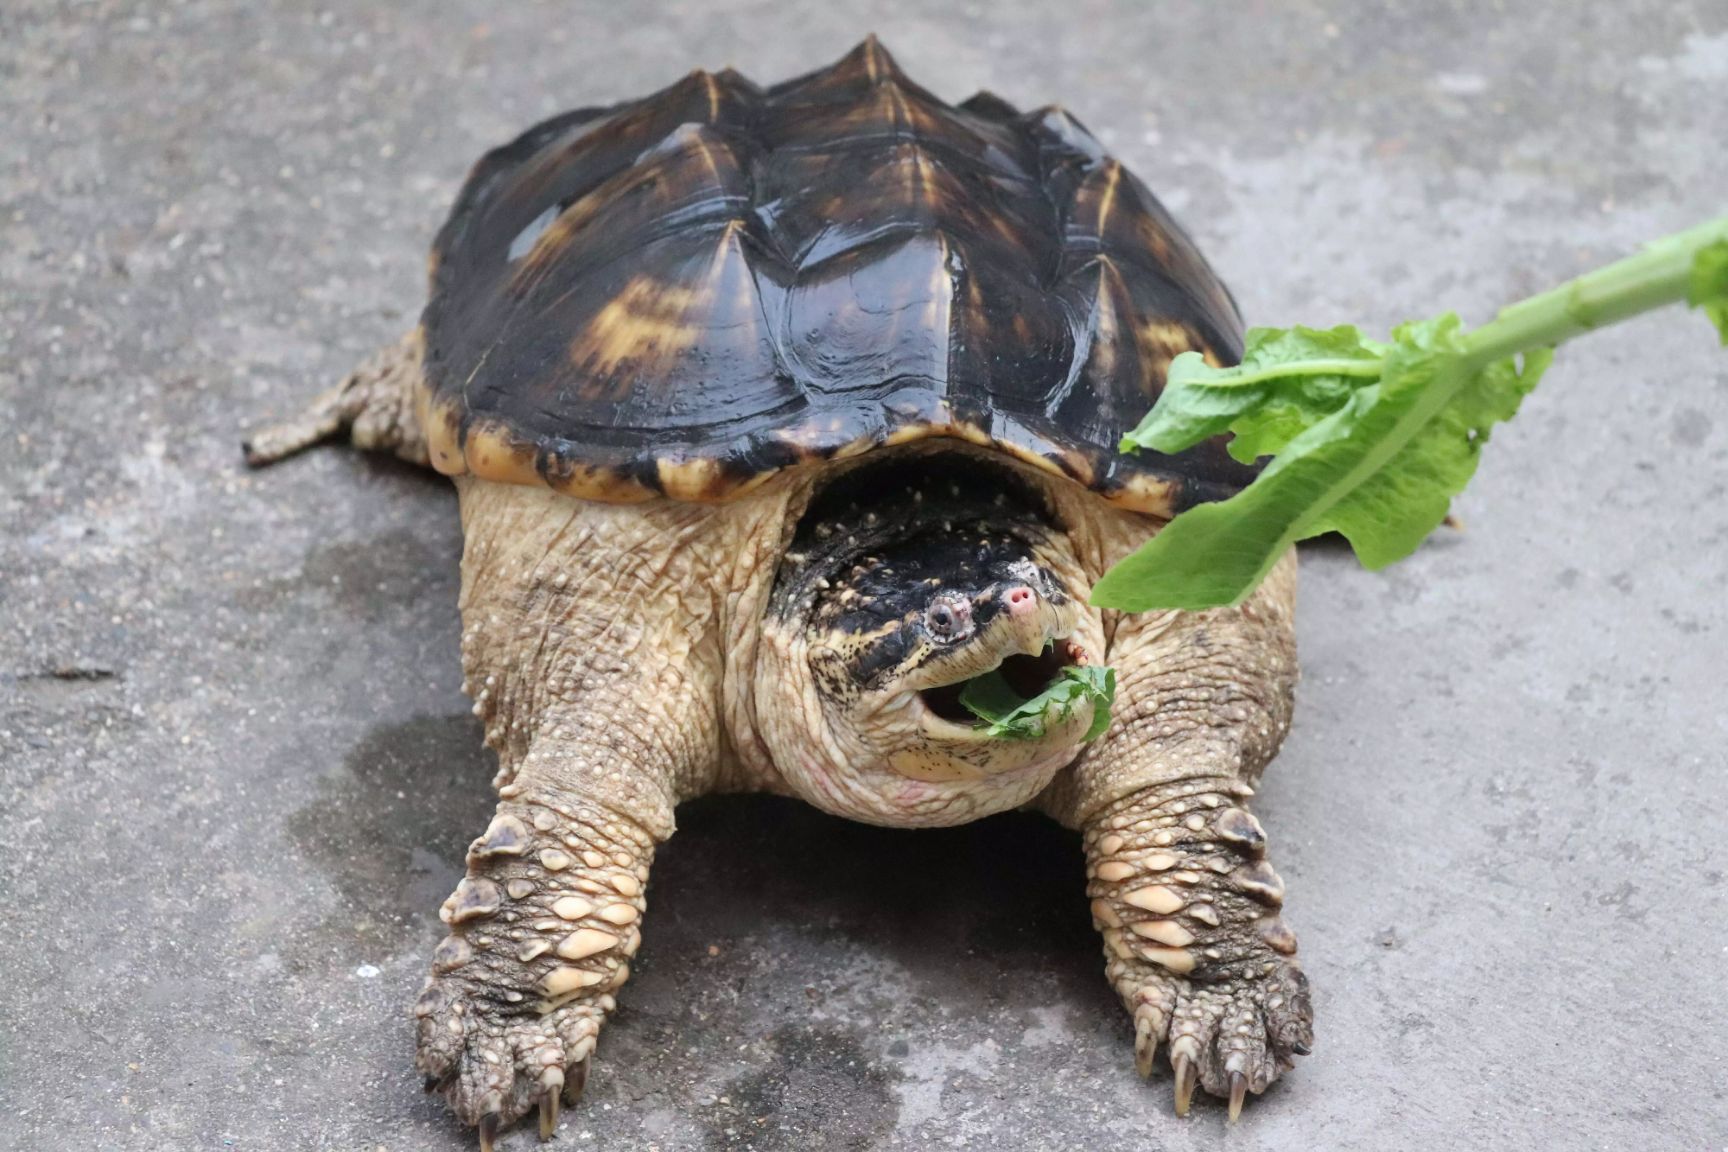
{"points": [[1653, 278]]}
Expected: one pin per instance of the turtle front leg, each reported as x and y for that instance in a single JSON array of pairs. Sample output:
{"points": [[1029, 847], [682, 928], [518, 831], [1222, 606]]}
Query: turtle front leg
{"points": [[1188, 907], [373, 406], [542, 930], [590, 646], [1176, 870]]}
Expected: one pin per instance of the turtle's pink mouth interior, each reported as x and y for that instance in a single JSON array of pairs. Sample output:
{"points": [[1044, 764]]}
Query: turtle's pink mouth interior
{"points": [[1027, 675]]}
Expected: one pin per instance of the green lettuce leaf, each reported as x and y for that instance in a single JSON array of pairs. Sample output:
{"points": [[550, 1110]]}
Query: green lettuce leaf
{"points": [[1009, 717], [1373, 440], [1287, 379], [1375, 454]]}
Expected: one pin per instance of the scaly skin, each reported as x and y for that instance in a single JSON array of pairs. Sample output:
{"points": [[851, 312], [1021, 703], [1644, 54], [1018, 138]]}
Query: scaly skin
{"points": [[1189, 911], [615, 652]]}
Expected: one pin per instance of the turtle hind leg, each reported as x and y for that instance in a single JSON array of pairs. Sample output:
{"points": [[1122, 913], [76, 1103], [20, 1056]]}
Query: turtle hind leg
{"points": [[373, 407]]}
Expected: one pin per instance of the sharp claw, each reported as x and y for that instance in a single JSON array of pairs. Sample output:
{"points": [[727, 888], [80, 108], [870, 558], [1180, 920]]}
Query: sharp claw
{"points": [[488, 1131], [574, 1082], [1144, 1053], [1238, 1092], [1300, 1048], [549, 1114], [1186, 1074], [1145, 1045]]}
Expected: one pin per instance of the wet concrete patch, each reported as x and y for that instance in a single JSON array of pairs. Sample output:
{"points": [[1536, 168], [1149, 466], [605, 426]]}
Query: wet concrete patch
{"points": [[391, 828], [368, 577]]}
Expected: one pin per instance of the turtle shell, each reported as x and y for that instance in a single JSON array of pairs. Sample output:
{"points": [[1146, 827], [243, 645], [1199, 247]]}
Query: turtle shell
{"points": [[686, 294]]}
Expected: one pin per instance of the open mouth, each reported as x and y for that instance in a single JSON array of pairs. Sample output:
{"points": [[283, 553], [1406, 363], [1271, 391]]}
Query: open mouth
{"points": [[1026, 675]]}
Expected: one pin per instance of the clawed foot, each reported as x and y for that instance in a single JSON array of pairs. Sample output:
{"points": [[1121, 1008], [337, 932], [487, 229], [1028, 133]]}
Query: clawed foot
{"points": [[493, 1064], [1188, 908], [1231, 1038]]}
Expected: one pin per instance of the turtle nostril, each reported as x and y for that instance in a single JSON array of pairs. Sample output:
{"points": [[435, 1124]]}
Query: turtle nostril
{"points": [[1021, 600]]}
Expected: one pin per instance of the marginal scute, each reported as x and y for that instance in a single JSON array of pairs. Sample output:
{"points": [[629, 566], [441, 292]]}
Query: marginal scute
{"points": [[687, 294]]}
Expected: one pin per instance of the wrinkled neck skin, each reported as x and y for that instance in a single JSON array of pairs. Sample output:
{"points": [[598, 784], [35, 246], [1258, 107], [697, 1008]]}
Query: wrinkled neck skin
{"points": [[848, 658]]}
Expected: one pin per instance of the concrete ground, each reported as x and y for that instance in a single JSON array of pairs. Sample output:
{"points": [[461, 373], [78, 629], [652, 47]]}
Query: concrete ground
{"points": [[236, 775]]}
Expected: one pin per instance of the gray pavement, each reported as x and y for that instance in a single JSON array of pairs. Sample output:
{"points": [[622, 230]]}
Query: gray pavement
{"points": [[236, 774]]}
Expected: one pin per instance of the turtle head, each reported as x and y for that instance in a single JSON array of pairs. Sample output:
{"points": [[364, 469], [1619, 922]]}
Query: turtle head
{"points": [[893, 612]]}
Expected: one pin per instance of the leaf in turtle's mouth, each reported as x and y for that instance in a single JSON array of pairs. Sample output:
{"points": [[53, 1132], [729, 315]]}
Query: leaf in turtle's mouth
{"points": [[1012, 700], [1026, 675]]}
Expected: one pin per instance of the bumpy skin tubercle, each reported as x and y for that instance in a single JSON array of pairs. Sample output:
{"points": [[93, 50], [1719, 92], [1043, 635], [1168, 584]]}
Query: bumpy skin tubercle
{"points": [[1188, 908]]}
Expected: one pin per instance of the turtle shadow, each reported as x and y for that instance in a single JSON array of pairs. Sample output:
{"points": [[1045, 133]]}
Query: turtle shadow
{"points": [[382, 466], [1011, 887]]}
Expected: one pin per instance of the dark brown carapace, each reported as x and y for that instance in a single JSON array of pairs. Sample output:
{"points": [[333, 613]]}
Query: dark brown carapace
{"points": [[687, 293]]}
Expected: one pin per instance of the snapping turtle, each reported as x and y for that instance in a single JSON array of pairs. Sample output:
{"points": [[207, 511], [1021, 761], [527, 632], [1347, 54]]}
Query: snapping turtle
{"points": [[779, 418]]}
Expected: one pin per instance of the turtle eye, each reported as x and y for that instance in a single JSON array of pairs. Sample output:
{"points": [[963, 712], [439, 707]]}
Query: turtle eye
{"points": [[949, 618]]}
